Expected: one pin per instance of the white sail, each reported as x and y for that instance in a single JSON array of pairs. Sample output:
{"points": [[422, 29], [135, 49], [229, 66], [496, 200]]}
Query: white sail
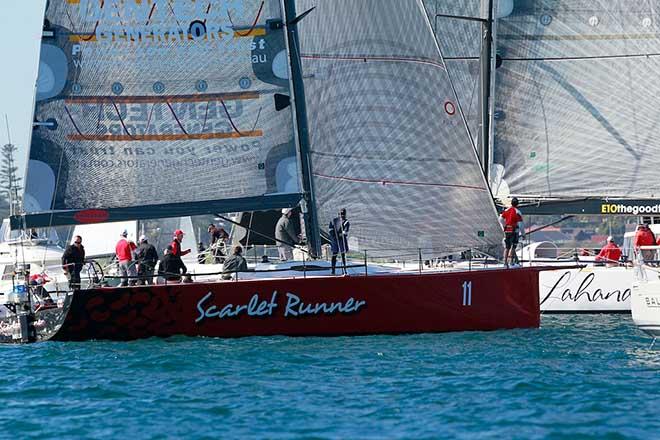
{"points": [[577, 101], [144, 107], [460, 42], [387, 139], [100, 239]]}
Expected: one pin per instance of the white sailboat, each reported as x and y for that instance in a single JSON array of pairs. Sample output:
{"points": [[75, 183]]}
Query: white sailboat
{"points": [[172, 112], [575, 121], [24, 255]]}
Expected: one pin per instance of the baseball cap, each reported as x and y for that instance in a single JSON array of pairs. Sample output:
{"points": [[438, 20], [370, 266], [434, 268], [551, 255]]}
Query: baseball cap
{"points": [[178, 231], [143, 237]]}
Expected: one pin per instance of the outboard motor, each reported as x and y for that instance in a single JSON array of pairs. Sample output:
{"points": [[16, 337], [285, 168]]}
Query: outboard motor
{"points": [[20, 326]]}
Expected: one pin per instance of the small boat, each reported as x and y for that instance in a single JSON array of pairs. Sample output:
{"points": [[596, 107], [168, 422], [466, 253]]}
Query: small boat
{"points": [[32, 255]]}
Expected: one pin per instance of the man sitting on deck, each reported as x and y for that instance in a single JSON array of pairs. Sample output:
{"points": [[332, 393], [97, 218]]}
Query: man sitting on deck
{"points": [[171, 266], [235, 263], [610, 253]]}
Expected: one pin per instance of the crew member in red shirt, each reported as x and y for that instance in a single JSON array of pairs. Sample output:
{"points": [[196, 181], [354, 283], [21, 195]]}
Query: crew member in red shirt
{"points": [[644, 237], [176, 244], [610, 253], [124, 251], [512, 222]]}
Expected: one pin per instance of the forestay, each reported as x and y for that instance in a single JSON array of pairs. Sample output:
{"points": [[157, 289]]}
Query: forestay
{"points": [[577, 99], [387, 139], [152, 109]]}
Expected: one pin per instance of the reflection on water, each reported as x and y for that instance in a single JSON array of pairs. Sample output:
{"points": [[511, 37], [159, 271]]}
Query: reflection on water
{"points": [[646, 357]]}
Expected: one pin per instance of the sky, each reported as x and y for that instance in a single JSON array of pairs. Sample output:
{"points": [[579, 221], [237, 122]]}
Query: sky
{"points": [[20, 34]]}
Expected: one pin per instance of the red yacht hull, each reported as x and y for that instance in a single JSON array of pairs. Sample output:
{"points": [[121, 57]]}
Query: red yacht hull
{"points": [[355, 305]]}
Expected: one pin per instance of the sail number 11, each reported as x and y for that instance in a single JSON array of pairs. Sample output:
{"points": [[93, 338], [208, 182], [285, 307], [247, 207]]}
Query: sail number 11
{"points": [[467, 293]]}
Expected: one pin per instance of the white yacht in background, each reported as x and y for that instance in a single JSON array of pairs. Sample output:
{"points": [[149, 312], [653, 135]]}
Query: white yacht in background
{"points": [[34, 254], [591, 288]]}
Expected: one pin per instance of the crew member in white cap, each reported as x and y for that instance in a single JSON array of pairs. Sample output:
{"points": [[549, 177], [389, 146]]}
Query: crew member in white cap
{"points": [[124, 251], [285, 234], [146, 257], [610, 253]]}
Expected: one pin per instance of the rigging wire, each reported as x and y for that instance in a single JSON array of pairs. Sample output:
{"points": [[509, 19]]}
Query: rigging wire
{"points": [[121, 120], [254, 24], [567, 217], [261, 234]]}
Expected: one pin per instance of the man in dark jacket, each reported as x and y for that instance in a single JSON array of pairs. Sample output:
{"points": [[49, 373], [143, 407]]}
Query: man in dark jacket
{"points": [[73, 260], [171, 267], [338, 229], [234, 263], [147, 257]]}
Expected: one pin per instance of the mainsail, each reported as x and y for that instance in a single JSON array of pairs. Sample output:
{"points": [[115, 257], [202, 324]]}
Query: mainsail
{"points": [[577, 99], [387, 139], [150, 109]]}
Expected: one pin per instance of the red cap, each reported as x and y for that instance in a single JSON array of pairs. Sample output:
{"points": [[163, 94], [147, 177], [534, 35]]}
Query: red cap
{"points": [[178, 231]]}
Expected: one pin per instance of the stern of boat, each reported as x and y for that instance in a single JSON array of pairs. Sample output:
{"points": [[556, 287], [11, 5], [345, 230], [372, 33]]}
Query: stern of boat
{"points": [[645, 300], [23, 321]]}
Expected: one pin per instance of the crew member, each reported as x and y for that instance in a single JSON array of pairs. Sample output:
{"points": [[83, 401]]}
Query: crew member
{"points": [[146, 257], [285, 235], [235, 263], [610, 253], [512, 222], [176, 244], [339, 227], [73, 260], [644, 237], [218, 238], [124, 250], [171, 267]]}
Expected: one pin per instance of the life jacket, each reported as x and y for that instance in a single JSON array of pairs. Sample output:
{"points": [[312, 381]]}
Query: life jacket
{"points": [[512, 217]]}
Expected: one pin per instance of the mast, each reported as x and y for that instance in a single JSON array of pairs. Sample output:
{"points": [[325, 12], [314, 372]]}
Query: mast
{"points": [[484, 86], [13, 190], [309, 201]]}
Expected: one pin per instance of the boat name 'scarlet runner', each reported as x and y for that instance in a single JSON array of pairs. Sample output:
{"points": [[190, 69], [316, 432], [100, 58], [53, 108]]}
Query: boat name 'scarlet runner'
{"points": [[258, 307]]}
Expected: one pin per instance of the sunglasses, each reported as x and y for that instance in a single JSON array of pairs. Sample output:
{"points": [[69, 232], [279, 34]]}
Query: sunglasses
{"points": [[78, 242]]}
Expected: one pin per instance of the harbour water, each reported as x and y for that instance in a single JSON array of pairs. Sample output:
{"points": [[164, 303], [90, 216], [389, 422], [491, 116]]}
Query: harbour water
{"points": [[576, 377]]}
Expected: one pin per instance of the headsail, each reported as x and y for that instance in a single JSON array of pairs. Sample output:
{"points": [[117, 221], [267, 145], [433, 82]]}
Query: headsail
{"points": [[150, 109], [387, 141], [577, 111], [460, 43]]}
